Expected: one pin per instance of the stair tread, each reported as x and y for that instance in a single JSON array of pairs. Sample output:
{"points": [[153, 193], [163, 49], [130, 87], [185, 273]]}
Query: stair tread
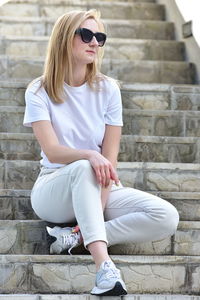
{"points": [[74, 259], [90, 297], [176, 195]]}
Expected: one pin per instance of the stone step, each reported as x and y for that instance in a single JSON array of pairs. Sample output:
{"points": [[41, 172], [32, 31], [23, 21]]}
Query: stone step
{"points": [[161, 123], [29, 237], [90, 297], [134, 96], [153, 177], [147, 71], [161, 97], [132, 148], [15, 204], [116, 48], [132, 29], [159, 149], [109, 10], [76, 274], [136, 122]]}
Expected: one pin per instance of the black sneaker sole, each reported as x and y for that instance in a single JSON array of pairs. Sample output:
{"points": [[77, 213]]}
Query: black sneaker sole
{"points": [[118, 290]]}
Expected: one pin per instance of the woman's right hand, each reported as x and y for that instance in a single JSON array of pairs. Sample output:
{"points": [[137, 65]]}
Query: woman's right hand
{"points": [[104, 170]]}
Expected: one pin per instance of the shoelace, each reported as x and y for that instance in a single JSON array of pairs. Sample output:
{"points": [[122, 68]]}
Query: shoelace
{"points": [[71, 240], [111, 272]]}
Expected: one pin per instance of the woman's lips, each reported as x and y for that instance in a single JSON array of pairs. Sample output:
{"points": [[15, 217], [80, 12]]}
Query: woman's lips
{"points": [[90, 51]]}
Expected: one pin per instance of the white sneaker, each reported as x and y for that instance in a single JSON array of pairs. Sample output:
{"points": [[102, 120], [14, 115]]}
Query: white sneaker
{"points": [[66, 239], [109, 281]]}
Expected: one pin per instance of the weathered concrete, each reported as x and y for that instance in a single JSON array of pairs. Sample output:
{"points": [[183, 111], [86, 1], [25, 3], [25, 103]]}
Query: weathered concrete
{"points": [[147, 176], [136, 122], [127, 49], [161, 123], [128, 71], [141, 11], [29, 237], [64, 274], [15, 204], [142, 29], [134, 96], [90, 297], [15, 146]]}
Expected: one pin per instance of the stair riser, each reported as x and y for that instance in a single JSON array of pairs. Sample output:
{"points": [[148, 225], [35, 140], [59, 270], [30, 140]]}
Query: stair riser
{"points": [[147, 123], [141, 11], [163, 180], [22, 175], [19, 208], [69, 277], [157, 123], [136, 29], [171, 98], [29, 237], [134, 50], [15, 204], [90, 297], [128, 71], [131, 149]]}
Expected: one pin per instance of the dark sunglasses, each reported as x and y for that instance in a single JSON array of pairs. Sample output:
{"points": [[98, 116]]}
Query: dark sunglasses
{"points": [[87, 36]]}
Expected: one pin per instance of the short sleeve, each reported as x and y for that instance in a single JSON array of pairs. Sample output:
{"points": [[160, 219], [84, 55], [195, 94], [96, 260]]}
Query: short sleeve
{"points": [[36, 108], [114, 109]]}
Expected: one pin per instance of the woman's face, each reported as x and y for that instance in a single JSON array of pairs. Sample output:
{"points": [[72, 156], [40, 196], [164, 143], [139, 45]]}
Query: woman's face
{"points": [[85, 53]]}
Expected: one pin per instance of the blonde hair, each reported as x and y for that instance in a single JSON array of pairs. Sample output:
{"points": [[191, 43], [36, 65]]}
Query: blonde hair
{"points": [[58, 61]]}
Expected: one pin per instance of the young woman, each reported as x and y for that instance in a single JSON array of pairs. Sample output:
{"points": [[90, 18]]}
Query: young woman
{"points": [[76, 115]]}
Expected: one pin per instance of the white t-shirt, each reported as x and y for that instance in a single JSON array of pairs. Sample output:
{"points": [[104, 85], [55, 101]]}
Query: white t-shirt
{"points": [[80, 121]]}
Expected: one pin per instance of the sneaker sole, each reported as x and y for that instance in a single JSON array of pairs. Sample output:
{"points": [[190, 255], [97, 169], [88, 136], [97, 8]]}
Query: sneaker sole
{"points": [[118, 290]]}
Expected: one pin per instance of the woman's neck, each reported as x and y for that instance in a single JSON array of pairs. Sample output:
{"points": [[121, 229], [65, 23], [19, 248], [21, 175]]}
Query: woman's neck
{"points": [[78, 76]]}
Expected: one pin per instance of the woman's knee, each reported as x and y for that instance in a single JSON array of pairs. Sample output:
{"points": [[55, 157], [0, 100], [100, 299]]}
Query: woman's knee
{"points": [[171, 219], [83, 166]]}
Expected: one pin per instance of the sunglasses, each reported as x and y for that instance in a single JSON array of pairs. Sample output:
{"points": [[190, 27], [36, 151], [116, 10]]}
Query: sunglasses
{"points": [[87, 35]]}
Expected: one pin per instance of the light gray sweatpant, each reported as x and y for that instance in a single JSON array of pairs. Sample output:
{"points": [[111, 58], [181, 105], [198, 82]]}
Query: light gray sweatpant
{"points": [[71, 193]]}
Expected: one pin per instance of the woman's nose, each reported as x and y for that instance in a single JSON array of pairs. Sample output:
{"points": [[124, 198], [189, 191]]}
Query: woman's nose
{"points": [[94, 41]]}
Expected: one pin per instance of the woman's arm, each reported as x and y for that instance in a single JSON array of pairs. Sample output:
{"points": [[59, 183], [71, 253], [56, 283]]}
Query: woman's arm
{"points": [[110, 150], [60, 154], [49, 143]]}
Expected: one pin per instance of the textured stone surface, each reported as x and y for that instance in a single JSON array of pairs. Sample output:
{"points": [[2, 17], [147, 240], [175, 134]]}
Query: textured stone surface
{"points": [[142, 29], [29, 237], [15, 204], [19, 146], [161, 123], [90, 297], [135, 96], [136, 122], [159, 149], [146, 274], [146, 11], [23, 237], [132, 148], [128, 71], [167, 177], [160, 176], [115, 48]]}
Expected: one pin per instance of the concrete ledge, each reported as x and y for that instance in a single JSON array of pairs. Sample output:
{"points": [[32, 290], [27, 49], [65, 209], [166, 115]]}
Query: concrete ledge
{"points": [[90, 297], [70, 274]]}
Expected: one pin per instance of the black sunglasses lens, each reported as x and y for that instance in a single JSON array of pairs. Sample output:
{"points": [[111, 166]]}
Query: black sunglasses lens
{"points": [[101, 38], [86, 35]]}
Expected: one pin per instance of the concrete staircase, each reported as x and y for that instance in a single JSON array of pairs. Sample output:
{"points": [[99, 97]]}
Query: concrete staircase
{"points": [[159, 152]]}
